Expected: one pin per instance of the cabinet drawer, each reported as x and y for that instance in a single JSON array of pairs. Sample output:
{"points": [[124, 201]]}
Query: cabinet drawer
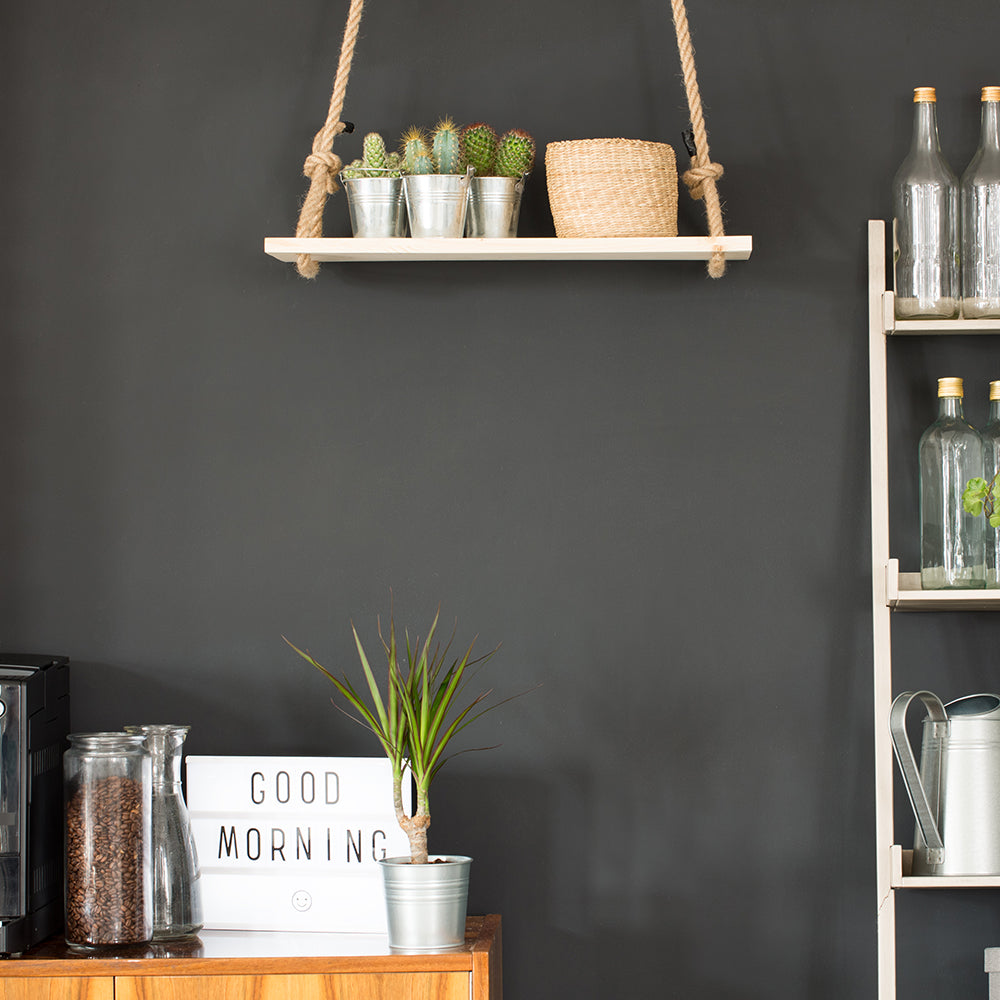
{"points": [[345, 986], [57, 988]]}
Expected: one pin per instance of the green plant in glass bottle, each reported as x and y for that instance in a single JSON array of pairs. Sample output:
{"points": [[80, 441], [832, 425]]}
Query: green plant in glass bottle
{"points": [[952, 540]]}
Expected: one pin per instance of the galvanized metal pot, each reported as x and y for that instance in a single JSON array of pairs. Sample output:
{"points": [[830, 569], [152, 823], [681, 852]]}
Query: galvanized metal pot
{"points": [[437, 203], [494, 206], [426, 904], [376, 205], [956, 793]]}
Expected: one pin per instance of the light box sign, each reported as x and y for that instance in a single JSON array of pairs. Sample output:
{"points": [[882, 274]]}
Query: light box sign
{"points": [[293, 843]]}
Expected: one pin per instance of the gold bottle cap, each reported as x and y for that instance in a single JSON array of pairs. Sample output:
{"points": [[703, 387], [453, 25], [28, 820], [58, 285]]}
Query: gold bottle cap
{"points": [[950, 387], [990, 94], [924, 94], [994, 390]]}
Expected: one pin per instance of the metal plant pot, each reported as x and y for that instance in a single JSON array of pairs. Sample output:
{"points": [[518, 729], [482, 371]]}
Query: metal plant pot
{"points": [[494, 205], [437, 203], [376, 206], [426, 904]]}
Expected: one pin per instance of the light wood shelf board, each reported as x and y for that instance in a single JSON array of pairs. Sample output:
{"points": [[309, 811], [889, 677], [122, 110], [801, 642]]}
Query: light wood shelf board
{"points": [[904, 593], [519, 248], [935, 327], [902, 864]]}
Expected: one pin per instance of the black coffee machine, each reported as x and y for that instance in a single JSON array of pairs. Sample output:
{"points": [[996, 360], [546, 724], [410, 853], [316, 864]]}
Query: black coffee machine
{"points": [[34, 723]]}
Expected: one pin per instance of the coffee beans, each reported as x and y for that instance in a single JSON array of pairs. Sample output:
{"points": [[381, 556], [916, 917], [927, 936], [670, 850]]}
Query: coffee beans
{"points": [[105, 887]]}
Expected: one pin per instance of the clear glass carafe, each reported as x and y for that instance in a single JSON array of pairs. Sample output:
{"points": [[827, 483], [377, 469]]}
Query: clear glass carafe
{"points": [[991, 460], [177, 910], [980, 201], [925, 222], [108, 880], [952, 542]]}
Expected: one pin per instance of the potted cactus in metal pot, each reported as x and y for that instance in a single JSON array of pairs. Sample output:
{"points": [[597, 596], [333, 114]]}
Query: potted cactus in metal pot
{"points": [[374, 187], [502, 165], [436, 180], [416, 712]]}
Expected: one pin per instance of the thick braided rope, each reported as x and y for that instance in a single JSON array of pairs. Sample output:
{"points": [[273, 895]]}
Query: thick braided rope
{"points": [[701, 177], [322, 164]]}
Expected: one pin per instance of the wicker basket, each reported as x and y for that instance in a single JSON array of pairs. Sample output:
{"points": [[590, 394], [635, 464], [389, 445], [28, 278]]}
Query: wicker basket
{"points": [[612, 187]]}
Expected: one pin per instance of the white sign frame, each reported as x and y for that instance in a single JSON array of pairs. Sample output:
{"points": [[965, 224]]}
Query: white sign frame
{"points": [[293, 843]]}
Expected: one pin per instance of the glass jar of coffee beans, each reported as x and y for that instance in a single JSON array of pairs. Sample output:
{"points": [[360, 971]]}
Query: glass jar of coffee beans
{"points": [[108, 882]]}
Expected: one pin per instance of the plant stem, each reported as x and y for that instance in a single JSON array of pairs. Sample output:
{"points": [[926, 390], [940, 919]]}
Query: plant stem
{"points": [[416, 829]]}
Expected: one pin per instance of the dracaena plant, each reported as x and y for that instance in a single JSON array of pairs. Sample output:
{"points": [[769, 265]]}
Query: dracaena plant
{"points": [[980, 496], [415, 713]]}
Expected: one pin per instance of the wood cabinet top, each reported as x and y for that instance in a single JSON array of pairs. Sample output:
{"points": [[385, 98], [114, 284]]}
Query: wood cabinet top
{"points": [[257, 953]]}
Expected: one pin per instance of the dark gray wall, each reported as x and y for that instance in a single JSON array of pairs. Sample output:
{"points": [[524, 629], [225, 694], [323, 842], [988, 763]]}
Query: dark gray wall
{"points": [[651, 487]]}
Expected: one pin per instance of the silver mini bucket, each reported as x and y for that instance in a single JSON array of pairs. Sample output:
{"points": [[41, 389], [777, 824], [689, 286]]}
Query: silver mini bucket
{"points": [[426, 904], [437, 203], [494, 205], [376, 206]]}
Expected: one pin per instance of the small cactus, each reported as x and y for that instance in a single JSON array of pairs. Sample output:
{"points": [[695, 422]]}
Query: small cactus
{"points": [[354, 170], [414, 146], [394, 164], [515, 154], [423, 163], [447, 148], [480, 142], [374, 152]]}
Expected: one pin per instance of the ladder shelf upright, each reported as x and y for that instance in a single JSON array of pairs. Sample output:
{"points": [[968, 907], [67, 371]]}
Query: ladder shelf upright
{"points": [[893, 590]]}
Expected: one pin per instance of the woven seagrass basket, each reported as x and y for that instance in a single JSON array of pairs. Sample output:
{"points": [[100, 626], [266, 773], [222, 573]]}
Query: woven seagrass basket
{"points": [[612, 187]]}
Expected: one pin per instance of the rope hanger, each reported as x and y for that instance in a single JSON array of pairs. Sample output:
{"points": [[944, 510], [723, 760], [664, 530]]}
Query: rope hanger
{"points": [[701, 176], [322, 165]]}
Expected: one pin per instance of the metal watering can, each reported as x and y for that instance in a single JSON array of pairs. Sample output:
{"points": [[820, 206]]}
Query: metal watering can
{"points": [[956, 793]]}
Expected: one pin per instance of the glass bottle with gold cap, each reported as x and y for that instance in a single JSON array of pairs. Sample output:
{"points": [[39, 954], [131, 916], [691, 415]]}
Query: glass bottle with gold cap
{"points": [[952, 542], [925, 222], [980, 211], [991, 460]]}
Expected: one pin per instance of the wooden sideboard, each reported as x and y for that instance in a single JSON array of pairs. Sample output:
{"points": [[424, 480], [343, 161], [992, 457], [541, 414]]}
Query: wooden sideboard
{"points": [[259, 965]]}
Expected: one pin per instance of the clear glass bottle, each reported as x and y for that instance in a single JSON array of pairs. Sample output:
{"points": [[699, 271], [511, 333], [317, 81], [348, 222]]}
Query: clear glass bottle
{"points": [[980, 210], [177, 910], [991, 461], [108, 876], [925, 222], [952, 542]]}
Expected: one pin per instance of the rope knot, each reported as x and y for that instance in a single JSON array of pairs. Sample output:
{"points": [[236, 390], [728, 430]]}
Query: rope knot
{"points": [[697, 175], [323, 166]]}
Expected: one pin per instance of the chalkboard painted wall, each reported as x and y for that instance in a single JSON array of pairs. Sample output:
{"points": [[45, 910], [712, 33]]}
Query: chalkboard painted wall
{"points": [[651, 487]]}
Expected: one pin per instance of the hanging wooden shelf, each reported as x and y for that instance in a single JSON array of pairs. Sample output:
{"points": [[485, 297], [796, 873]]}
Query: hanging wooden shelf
{"points": [[519, 248]]}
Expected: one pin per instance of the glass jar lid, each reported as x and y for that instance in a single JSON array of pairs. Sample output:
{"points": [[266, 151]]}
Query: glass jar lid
{"points": [[109, 743]]}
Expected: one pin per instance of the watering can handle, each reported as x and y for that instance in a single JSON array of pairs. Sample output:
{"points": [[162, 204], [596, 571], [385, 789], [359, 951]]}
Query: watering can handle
{"points": [[908, 765]]}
